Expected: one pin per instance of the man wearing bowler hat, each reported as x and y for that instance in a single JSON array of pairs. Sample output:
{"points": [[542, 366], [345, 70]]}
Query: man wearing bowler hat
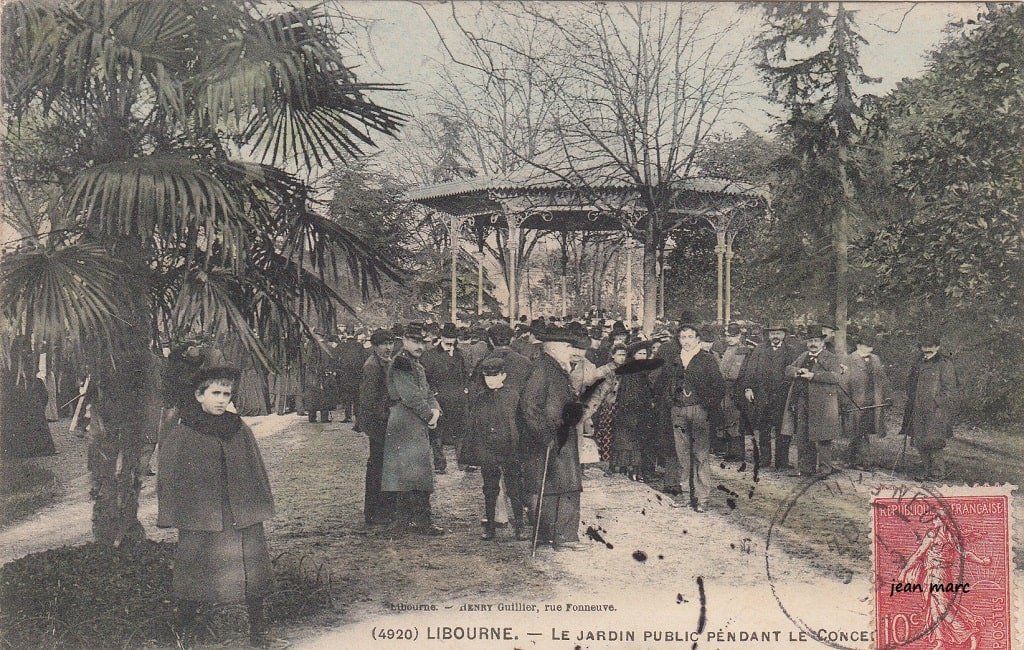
{"points": [[928, 416], [764, 384], [448, 377], [867, 393], [812, 409], [414, 411]]}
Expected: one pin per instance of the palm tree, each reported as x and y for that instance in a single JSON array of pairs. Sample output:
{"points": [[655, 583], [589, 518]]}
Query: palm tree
{"points": [[154, 140]]}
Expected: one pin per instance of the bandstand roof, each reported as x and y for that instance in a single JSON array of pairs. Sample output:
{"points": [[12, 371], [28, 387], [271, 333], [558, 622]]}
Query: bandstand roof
{"points": [[553, 203]]}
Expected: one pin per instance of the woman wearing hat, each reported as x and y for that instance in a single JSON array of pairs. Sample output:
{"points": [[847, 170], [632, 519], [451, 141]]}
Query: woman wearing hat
{"points": [[632, 448], [213, 487]]}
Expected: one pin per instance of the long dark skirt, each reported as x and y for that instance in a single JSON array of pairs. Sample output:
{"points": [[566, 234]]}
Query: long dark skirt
{"points": [[224, 567]]}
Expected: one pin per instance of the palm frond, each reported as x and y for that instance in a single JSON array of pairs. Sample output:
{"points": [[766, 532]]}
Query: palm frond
{"points": [[289, 93], [68, 292], [166, 193]]}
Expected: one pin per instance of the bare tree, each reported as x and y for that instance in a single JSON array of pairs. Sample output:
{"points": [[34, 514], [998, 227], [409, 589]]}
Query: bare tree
{"points": [[615, 94]]}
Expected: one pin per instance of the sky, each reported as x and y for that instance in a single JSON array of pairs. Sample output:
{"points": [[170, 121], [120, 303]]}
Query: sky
{"points": [[402, 45]]}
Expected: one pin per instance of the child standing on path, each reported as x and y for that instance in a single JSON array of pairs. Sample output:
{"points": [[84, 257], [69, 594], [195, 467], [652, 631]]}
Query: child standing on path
{"points": [[213, 487]]}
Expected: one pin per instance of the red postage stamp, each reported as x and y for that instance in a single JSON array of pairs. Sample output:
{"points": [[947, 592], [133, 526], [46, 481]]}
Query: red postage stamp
{"points": [[942, 569]]}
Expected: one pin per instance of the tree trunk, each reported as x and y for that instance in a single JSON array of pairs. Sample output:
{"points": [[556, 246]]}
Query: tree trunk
{"points": [[841, 242], [650, 264], [124, 382]]}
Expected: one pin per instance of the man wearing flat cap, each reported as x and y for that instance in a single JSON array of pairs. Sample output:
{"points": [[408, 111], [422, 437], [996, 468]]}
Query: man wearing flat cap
{"points": [[931, 399], [408, 465], [812, 409], [764, 385], [492, 443], [378, 507]]}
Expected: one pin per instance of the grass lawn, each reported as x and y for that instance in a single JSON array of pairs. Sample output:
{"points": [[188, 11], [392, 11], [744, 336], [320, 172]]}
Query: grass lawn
{"points": [[25, 488]]}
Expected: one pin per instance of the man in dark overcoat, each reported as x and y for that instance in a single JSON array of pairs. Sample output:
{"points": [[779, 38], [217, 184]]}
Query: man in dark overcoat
{"points": [[931, 398], [318, 389], [690, 388], [866, 389], [448, 377], [812, 408], [378, 507], [413, 413], [734, 411], [541, 405], [350, 358], [764, 385], [492, 443]]}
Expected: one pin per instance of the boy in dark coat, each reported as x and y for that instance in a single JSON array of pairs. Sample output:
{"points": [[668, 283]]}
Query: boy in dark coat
{"points": [[213, 487], [492, 443]]}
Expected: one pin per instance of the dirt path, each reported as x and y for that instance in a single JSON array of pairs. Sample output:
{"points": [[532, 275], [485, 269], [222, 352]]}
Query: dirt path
{"points": [[69, 521], [651, 574]]}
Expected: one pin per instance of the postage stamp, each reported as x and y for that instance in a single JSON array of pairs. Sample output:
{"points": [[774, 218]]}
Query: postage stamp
{"points": [[942, 568]]}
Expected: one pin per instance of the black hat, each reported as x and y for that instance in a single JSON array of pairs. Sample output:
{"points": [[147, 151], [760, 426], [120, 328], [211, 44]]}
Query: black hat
{"points": [[596, 333], [205, 375], [707, 333], [633, 348], [618, 327], [734, 329], [462, 332], [776, 327], [928, 338], [492, 366], [414, 331], [432, 328], [687, 316], [537, 326], [557, 334], [812, 332], [380, 337], [828, 326], [398, 330], [500, 332], [448, 331]]}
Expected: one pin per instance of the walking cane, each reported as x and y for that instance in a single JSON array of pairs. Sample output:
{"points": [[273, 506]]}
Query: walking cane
{"points": [[81, 400], [540, 500], [900, 455]]}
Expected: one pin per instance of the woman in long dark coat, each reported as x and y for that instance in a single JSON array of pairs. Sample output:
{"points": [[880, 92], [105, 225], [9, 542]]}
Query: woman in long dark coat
{"points": [[24, 432], [633, 443]]}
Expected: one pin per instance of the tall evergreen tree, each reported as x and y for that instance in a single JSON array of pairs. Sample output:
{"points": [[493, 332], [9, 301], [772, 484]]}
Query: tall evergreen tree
{"points": [[810, 59]]}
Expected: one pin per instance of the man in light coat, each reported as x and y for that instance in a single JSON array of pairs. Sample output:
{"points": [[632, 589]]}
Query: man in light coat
{"points": [[812, 409], [408, 462]]}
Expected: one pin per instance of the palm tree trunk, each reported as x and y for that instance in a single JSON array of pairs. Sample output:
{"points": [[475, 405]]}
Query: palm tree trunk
{"points": [[124, 381]]}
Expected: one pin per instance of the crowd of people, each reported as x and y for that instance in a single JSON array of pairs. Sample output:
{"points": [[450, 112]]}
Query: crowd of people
{"points": [[529, 407]]}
